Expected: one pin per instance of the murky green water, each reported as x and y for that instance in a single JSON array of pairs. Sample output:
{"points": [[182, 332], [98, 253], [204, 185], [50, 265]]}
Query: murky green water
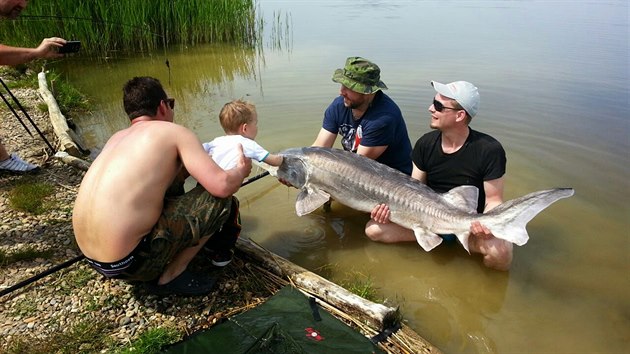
{"points": [[553, 78]]}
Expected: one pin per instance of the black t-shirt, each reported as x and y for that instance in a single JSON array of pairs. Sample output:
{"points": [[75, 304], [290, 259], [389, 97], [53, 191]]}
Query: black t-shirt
{"points": [[481, 158]]}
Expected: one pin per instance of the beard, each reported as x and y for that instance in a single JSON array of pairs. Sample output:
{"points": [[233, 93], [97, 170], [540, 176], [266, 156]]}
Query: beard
{"points": [[351, 104]]}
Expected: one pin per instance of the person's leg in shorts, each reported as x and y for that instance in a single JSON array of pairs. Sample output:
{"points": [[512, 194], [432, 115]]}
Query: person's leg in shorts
{"points": [[222, 242], [186, 224]]}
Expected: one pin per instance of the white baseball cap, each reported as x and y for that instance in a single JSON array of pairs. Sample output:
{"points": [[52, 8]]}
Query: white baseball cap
{"points": [[465, 93]]}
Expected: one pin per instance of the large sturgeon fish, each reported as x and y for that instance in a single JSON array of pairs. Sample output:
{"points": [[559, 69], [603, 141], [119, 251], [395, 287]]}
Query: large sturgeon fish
{"points": [[362, 183]]}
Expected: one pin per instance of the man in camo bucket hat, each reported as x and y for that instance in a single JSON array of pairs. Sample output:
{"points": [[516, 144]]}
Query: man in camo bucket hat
{"points": [[368, 121], [360, 75]]}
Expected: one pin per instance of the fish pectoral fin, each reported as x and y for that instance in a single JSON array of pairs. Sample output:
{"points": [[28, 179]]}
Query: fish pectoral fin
{"points": [[310, 199], [273, 170], [426, 239]]}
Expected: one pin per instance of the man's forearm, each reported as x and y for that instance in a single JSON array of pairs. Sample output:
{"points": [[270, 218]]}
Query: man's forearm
{"points": [[16, 55]]}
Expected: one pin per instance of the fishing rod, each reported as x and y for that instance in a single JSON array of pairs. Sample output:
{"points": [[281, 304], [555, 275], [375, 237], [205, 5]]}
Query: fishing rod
{"points": [[168, 65], [15, 114], [41, 275], [28, 17], [255, 178], [26, 114], [81, 256]]}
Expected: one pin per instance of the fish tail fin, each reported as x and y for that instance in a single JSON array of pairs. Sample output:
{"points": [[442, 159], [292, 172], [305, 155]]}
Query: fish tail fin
{"points": [[508, 220]]}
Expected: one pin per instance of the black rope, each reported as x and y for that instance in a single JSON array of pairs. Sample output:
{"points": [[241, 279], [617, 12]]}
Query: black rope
{"points": [[385, 333], [314, 309]]}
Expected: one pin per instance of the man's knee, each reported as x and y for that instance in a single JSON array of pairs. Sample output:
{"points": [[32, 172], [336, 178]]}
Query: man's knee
{"points": [[378, 232], [499, 256], [373, 231], [388, 233]]}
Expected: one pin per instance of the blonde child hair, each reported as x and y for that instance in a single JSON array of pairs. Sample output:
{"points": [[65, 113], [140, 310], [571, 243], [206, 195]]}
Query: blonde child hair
{"points": [[235, 113]]}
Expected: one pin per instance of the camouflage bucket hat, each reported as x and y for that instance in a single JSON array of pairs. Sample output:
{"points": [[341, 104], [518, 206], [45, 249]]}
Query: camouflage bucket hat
{"points": [[360, 75]]}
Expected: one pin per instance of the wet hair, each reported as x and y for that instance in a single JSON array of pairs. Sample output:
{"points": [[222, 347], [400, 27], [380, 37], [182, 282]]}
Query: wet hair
{"points": [[235, 113], [142, 96]]}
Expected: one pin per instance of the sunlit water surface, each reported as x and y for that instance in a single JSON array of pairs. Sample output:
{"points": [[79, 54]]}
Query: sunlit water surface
{"points": [[553, 78]]}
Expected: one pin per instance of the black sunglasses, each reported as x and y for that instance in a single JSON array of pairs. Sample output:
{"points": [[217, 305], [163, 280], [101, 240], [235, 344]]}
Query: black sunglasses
{"points": [[440, 107], [170, 102]]}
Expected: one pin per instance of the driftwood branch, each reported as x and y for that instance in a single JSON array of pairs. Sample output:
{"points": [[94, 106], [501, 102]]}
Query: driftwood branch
{"points": [[379, 316], [72, 161], [57, 119]]}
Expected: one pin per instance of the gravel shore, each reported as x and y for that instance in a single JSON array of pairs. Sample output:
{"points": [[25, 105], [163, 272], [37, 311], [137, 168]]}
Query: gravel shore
{"points": [[76, 297], [76, 310]]}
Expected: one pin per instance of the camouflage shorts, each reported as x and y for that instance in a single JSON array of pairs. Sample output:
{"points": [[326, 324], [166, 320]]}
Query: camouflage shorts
{"points": [[185, 219]]}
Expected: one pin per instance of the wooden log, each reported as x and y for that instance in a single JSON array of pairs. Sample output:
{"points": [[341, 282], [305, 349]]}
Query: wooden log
{"points": [[406, 340], [377, 315], [57, 119], [72, 160]]}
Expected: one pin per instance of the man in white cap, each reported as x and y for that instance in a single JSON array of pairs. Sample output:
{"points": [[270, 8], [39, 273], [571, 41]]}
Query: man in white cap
{"points": [[450, 156]]}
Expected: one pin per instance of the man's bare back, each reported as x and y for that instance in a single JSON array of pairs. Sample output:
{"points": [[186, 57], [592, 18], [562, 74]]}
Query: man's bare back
{"points": [[124, 222], [131, 176]]}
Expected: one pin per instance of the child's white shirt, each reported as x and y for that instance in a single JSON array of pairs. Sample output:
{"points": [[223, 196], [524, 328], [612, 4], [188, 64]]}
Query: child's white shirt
{"points": [[224, 150]]}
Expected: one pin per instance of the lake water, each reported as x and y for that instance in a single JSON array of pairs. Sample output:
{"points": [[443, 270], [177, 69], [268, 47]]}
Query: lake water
{"points": [[553, 78]]}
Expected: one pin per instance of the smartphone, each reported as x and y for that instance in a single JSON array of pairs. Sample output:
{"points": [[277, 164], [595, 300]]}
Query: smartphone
{"points": [[70, 47]]}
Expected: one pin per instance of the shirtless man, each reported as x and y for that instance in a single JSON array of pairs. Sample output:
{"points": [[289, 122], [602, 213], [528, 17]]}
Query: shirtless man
{"points": [[131, 218], [453, 155]]}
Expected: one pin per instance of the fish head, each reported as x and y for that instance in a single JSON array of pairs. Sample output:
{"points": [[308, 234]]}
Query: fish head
{"points": [[293, 170]]}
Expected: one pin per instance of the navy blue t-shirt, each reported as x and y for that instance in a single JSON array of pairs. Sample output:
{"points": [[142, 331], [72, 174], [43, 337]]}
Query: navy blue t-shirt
{"points": [[381, 125], [481, 158]]}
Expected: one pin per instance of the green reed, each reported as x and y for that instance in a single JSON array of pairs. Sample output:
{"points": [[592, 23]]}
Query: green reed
{"points": [[107, 26]]}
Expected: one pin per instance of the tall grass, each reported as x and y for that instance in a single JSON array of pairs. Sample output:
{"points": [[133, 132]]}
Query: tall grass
{"points": [[106, 26]]}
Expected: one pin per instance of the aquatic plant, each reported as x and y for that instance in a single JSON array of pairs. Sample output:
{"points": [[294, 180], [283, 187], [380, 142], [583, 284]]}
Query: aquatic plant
{"points": [[105, 27]]}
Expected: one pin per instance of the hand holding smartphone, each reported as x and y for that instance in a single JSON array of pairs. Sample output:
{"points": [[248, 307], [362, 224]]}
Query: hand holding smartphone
{"points": [[70, 47]]}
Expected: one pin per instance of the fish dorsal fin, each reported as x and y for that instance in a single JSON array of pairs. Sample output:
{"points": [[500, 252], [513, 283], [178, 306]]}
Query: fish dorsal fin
{"points": [[310, 199], [463, 198]]}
